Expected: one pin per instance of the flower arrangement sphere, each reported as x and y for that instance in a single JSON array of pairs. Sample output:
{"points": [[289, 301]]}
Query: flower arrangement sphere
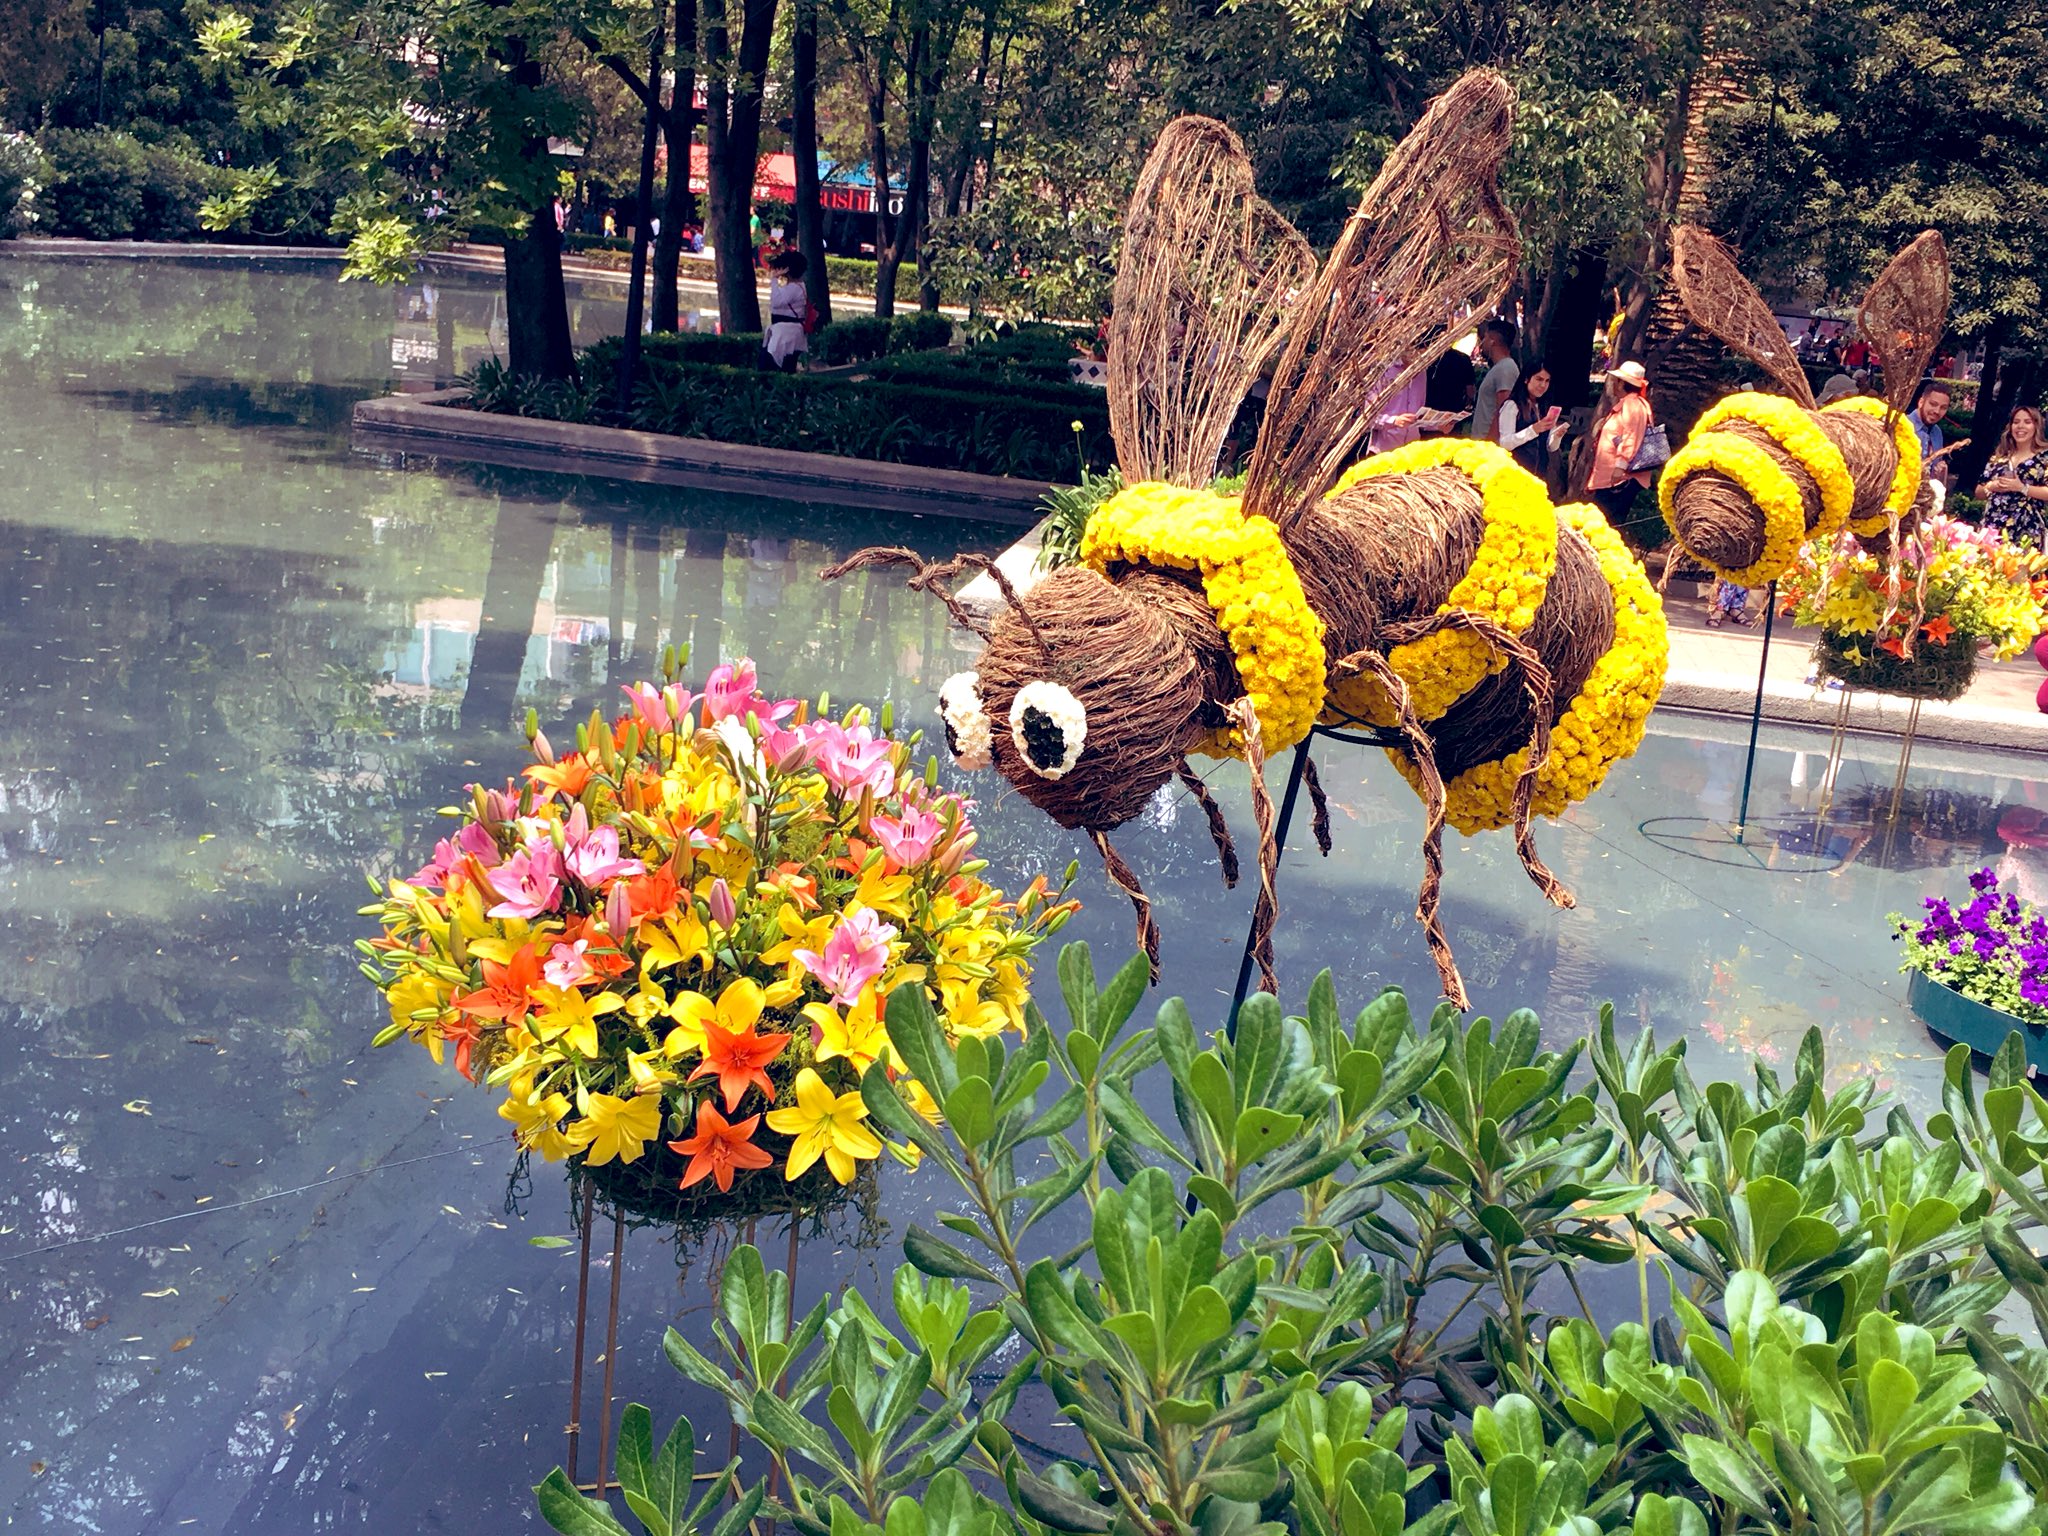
{"points": [[681, 937]]}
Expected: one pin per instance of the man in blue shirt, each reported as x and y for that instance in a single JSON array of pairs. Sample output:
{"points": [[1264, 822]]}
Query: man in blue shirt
{"points": [[1925, 419]]}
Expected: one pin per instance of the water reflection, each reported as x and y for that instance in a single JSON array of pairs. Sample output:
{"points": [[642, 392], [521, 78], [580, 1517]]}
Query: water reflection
{"points": [[243, 666]]}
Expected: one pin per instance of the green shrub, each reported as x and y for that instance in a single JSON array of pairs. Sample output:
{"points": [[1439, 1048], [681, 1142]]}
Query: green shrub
{"points": [[936, 428], [1316, 1278], [106, 185], [919, 331], [23, 175], [1048, 381], [853, 339]]}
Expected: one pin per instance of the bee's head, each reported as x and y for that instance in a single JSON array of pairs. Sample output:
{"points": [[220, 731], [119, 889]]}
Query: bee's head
{"points": [[1087, 697]]}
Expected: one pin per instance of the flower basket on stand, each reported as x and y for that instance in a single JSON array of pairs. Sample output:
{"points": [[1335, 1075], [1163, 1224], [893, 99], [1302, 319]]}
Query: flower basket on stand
{"points": [[1980, 971], [1909, 615], [1931, 672], [671, 949]]}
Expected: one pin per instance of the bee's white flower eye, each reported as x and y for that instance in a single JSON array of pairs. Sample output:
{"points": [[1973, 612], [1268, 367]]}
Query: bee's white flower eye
{"points": [[1049, 726], [968, 728]]}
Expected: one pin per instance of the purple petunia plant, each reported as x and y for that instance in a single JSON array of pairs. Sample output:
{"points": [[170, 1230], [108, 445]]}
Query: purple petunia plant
{"points": [[1993, 950]]}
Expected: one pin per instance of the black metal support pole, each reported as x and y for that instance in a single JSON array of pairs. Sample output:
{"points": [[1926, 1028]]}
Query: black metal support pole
{"points": [[1756, 713], [1295, 774]]}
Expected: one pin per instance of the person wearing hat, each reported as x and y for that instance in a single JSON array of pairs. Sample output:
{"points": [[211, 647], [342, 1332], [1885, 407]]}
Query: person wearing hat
{"points": [[1612, 482]]}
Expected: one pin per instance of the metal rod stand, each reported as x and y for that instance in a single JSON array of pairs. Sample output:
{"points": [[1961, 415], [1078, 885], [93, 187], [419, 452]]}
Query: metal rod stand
{"points": [[611, 1348], [582, 1317], [1756, 713]]}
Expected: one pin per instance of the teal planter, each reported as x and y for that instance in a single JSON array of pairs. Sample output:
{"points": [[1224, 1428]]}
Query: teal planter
{"points": [[1966, 1021]]}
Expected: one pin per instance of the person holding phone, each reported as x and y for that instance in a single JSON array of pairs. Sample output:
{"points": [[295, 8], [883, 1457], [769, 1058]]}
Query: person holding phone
{"points": [[1530, 423]]}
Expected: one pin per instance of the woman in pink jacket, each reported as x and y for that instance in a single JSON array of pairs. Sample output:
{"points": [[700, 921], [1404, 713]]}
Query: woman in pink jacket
{"points": [[1629, 416]]}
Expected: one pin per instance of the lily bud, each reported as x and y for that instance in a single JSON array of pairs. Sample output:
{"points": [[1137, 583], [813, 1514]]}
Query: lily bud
{"points": [[618, 910], [542, 749], [722, 909]]}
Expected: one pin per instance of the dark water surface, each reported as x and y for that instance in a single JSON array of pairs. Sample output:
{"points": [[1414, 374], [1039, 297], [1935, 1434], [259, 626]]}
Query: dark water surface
{"points": [[257, 1278]]}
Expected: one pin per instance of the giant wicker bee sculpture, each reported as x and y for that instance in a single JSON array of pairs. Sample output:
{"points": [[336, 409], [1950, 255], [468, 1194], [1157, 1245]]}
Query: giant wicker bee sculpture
{"points": [[1762, 474], [1507, 651]]}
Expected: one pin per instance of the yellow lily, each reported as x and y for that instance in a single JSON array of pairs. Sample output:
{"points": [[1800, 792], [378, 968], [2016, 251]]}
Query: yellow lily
{"points": [[570, 1016], [411, 993], [613, 1127], [648, 1069], [537, 1119], [738, 1006], [677, 938], [827, 1125], [882, 892], [858, 1035]]}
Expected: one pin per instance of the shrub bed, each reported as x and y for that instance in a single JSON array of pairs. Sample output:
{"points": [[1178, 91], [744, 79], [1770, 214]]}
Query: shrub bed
{"points": [[111, 186], [951, 427]]}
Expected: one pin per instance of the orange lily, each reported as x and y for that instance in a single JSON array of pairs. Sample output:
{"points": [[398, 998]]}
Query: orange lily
{"points": [[1938, 629], [719, 1149], [1895, 645], [506, 992], [736, 1058], [569, 775]]}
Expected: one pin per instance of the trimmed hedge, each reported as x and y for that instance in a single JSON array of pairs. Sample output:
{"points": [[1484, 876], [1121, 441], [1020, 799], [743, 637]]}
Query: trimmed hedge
{"points": [[857, 338], [962, 370], [936, 428]]}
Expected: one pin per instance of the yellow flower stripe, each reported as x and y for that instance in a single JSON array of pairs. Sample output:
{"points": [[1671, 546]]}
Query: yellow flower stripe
{"points": [[1275, 638], [1793, 430], [1762, 481], [1509, 574], [1605, 721], [1905, 487]]}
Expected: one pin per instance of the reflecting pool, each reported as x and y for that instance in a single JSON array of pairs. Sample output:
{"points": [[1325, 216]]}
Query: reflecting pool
{"points": [[255, 1277]]}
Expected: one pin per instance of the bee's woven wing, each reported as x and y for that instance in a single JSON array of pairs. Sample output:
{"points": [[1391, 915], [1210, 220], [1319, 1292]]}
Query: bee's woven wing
{"points": [[1203, 291], [1429, 251], [1721, 301], [1904, 314]]}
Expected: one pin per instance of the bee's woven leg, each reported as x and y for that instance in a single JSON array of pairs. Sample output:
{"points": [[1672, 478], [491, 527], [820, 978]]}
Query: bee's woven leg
{"points": [[1427, 900], [1219, 829], [1318, 801], [1266, 910], [1539, 685], [1120, 875]]}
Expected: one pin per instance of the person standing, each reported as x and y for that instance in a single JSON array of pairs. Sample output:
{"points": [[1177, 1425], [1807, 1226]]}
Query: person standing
{"points": [[2015, 483], [1925, 419], [1496, 347], [789, 309], [1612, 482], [1395, 424], [1530, 428]]}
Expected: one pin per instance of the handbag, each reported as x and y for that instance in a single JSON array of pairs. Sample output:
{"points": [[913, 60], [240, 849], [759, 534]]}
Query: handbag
{"points": [[812, 319], [1653, 451]]}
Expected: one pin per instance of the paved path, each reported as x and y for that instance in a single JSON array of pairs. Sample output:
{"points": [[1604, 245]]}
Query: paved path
{"points": [[1716, 670]]}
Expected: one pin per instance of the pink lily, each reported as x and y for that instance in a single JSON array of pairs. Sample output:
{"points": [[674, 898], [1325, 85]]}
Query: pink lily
{"points": [[723, 908], [729, 689], [446, 860], [856, 954], [910, 839], [852, 760], [594, 858], [530, 882], [475, 841], [659, 710], [566, 966], [618, 909]]}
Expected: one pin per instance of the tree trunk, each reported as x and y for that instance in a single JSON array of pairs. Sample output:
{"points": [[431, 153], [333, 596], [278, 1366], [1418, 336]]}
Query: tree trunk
{"points": [[536, 301], [803, 149], [733, 148], [1575, 303], [888, 227], [1999, 389], [643, 214], [678, 206]]}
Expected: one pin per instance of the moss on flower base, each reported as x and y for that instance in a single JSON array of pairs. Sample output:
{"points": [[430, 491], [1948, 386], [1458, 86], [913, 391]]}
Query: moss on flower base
{"points": [[671, 948], [1931, 672]]}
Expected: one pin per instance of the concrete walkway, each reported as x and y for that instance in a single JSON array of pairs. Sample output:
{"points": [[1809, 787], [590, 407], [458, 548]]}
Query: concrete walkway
{"points": [[1716, 670]]}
